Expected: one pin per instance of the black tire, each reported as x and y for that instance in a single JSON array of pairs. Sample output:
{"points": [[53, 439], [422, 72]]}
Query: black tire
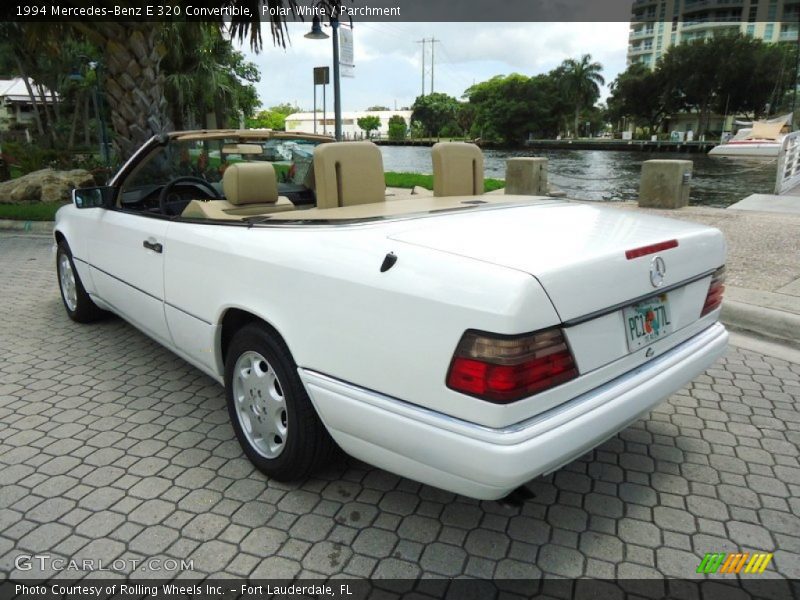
{"points": [[84, 309], [306, 445]]}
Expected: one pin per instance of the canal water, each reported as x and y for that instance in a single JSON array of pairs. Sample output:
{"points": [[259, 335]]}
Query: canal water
{"points": [[614, 175]]}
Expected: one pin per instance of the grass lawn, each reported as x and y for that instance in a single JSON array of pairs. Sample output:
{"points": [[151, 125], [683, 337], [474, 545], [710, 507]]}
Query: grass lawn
{"points": [[45, 211], [409, 180]]}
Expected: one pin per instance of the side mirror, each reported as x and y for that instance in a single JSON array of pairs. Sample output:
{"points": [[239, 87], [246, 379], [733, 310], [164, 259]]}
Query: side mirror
{"points": [[93, 197]]}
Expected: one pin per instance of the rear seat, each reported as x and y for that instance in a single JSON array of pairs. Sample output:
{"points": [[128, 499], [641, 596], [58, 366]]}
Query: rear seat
{"points": [[457, 169], [251, 188], [348, 174]]}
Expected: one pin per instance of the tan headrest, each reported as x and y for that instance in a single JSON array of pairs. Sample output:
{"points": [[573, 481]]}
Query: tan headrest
{"points": [[457, 169], [250, 183], [348, 173]]}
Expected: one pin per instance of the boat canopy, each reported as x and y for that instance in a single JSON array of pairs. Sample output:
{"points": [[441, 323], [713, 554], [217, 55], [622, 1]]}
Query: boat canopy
{"points": [[783, 119], [766, 131]]}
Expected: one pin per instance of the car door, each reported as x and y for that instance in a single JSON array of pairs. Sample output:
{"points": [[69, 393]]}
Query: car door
{"points": [[126, 253]]}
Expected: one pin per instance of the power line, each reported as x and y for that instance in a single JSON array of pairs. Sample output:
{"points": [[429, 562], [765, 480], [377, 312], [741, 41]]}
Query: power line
{"points": [[431, 41], [455, 70], [382, 30], [423, 41], [433, 62]]}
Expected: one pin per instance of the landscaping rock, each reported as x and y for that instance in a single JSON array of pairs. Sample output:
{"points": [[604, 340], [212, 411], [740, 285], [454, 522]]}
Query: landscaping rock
{"points": [[46, 185]]}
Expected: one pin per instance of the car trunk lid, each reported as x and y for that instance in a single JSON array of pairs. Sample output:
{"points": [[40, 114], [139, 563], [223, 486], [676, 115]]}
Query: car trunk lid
{"points": [[577, 251]]}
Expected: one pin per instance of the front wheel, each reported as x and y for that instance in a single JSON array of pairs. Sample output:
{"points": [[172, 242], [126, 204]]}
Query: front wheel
{"points": [[269, 408], [77, 302]]}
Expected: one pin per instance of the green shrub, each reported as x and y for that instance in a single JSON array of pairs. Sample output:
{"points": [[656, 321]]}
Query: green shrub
{"points": [[24, 158], [397, 128], [451, 130]]}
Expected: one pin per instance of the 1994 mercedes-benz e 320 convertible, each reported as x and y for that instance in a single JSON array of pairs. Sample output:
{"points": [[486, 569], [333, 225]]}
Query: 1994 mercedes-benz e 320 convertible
{"points": [[468, 341]]}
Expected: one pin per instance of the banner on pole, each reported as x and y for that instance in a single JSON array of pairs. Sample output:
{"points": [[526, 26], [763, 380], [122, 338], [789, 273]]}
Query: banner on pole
{"points": [[347, 66]]}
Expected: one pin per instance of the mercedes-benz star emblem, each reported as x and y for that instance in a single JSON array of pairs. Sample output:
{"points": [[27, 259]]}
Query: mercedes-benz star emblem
{"points": [[658, 269]]}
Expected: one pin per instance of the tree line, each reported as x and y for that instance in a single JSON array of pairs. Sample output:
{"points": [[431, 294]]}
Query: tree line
{"points": [[147, 78], [725, 75], [731, 74], [507, 108]]}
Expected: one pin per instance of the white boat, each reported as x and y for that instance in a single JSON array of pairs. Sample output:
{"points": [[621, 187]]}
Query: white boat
{"points": [[763, 139]]}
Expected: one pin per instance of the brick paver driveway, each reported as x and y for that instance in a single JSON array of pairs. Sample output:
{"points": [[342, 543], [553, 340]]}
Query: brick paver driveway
{"points": [[111, 447]]}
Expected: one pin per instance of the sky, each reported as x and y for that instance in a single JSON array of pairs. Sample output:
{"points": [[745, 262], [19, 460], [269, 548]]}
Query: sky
{"points": [[388, 59]]}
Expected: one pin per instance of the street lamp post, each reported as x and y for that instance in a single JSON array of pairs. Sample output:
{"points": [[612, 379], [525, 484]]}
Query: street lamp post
{"points": [[95, 66], [316, 33], [98, 103]]}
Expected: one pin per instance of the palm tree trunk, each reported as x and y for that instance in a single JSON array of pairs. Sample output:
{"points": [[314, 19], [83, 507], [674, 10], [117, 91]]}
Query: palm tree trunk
{"points": [[87, 139], [74, 126], [96, 106], [56, 104], [49, 120], [24, 74], [577, 118], [131, 81]]}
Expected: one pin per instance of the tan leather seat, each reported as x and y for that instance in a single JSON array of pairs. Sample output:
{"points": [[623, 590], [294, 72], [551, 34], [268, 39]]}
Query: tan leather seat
{"points": [[348, 174], [250, 188], [457, 169]]}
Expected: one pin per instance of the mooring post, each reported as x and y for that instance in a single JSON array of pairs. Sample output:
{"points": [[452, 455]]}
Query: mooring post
{"points": [[526, 176], [665, 183]]}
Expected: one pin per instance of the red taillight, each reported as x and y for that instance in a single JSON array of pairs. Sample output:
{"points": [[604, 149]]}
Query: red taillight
{"points": [[651, 249], [715, 291], [504, 369]]}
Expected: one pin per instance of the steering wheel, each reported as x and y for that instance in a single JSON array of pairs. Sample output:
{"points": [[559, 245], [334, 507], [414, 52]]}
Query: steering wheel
{"points": [[167, 208]]}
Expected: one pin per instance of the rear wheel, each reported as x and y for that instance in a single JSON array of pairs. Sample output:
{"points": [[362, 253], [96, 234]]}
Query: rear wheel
{"points": [[269, 408], [77, 302]]}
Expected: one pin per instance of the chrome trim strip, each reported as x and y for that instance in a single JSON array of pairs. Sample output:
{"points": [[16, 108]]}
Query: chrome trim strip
{"points": [[186, 312], [621, 305], [148, 294]]}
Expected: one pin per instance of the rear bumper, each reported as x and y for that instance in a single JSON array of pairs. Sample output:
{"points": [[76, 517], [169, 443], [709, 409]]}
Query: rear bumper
{"points": [[488, 463]]}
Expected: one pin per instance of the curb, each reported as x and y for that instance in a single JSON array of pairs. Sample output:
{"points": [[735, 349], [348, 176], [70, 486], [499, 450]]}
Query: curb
{"points": [[767, 322], [27, 226]]}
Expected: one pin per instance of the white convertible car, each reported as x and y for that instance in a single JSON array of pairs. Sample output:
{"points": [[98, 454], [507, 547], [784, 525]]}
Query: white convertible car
{"points": [[471, 342]]}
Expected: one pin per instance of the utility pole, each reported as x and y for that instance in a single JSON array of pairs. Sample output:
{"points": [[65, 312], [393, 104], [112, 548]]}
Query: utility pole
{"points": [[422, 41], [433, 62]]}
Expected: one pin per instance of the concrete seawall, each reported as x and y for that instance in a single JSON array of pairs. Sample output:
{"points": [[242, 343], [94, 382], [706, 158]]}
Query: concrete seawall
{"points": [[588, 144]]}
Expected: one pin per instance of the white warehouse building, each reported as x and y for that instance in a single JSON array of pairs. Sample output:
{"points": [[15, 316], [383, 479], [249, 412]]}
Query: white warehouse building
{"points": [[304, 122]]}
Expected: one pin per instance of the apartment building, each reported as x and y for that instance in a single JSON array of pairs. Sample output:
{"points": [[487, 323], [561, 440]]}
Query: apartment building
{"points": [[658, 24]]}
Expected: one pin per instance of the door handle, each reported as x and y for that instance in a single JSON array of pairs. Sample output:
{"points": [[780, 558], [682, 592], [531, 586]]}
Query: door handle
{"points": [[154, 246]]}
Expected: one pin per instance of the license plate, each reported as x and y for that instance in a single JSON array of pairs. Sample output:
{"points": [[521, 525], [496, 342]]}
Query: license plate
{"points": [[647, 321]]}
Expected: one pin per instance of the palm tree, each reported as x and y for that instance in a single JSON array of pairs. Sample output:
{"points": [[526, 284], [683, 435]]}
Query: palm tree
{"points": [[198, 74], [46, 69], [133, 80], [12, 49], [581, 80]]}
